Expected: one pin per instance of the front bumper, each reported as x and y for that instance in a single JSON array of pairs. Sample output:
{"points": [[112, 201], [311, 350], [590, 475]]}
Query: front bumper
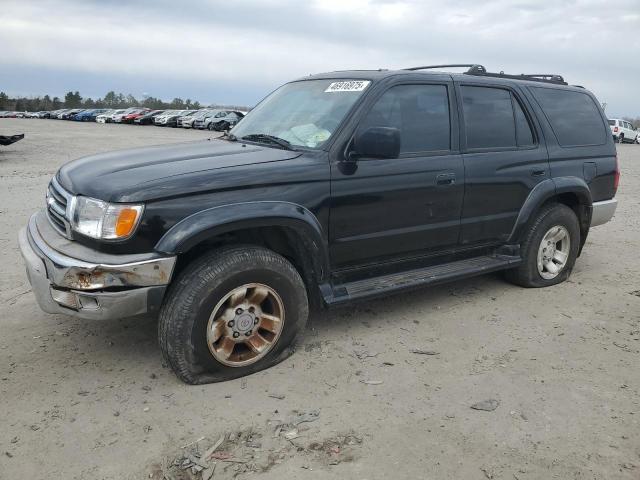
{"points": [[94, 286], [602, 212]]}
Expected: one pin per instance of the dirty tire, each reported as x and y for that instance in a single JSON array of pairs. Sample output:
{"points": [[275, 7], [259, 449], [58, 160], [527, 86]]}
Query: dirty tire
{"points": [[527, 274], [196, 291]]}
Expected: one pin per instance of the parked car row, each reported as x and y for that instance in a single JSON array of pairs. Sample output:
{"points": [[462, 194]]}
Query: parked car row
{"points": [[12, 114], [205, 118]]}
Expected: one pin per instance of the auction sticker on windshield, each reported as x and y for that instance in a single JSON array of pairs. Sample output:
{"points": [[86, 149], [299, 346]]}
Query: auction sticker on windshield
{"points": [[348, 86]]}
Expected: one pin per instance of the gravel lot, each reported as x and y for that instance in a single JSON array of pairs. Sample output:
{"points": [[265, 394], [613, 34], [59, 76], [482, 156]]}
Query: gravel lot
{"points": [[82, 400]]}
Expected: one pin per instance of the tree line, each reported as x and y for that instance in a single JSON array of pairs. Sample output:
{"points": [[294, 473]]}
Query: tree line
{"points": [[110, 100]]}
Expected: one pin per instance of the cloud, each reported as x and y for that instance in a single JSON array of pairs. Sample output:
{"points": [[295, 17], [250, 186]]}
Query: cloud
{"points": [[252, 46]]}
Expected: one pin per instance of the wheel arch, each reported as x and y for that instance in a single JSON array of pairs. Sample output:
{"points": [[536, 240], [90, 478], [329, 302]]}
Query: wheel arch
{"points": [[288, 229], [570, 191]]}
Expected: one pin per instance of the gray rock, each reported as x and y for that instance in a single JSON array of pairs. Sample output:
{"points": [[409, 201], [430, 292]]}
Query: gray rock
{"points": [[487, 405]]}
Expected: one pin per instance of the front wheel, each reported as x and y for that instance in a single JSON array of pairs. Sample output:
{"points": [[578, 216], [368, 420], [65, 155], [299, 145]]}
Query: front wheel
{"points": [[231, 313], [549, 250]]}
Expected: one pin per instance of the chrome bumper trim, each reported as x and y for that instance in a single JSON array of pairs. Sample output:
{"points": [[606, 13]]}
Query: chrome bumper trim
{"points": [[602, 212], [69, 272], [65, 285]]}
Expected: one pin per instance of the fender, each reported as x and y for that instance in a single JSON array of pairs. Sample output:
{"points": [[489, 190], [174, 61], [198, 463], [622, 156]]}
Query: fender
{"points": [[236, 216], [547, 189]]}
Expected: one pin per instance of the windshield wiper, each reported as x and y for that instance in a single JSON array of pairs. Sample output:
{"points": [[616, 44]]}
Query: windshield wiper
{"points": [[266, 138]]}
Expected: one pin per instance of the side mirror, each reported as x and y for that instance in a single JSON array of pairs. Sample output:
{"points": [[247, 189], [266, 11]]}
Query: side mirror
{"points": [[376, 142]]}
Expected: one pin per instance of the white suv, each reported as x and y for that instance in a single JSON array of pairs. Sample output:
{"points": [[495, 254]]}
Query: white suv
{"points": [[623, 131]]}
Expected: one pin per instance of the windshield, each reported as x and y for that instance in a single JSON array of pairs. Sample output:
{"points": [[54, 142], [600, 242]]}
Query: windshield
{"points": [[303, 113], [612, 122]]}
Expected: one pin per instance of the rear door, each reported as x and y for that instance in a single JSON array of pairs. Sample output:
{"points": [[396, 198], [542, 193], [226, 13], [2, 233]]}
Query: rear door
{"points": [[630, 133], [504, 159], [623, 129]]}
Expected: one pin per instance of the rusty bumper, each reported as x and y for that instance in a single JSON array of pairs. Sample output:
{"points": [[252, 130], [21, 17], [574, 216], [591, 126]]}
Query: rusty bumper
{"points": [[101, 288]]}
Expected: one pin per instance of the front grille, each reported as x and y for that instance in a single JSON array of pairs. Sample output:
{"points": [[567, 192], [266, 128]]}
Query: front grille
{"points": [[58, 200]]}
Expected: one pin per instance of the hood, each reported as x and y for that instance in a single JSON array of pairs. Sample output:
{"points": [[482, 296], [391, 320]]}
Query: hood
{"points": [[149, 173]]}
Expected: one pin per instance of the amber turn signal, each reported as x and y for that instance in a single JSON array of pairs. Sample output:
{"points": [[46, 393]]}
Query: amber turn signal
{"points": [[126, 222]]}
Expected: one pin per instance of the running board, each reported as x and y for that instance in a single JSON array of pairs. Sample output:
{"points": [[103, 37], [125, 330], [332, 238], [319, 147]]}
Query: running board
{"points": [[416, 278]]}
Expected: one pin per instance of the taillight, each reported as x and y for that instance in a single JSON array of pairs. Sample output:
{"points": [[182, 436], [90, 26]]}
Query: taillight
{"points": [[616, 178], [615, 130]]}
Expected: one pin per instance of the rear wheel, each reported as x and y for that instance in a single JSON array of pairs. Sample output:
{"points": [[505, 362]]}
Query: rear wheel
{"points": [[621, 138], [232, 313], [549, 250]]}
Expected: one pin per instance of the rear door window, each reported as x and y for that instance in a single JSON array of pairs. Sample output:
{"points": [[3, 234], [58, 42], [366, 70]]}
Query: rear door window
{"points": [[494, 118], [524, 134], [574, 116], [488, 117]]}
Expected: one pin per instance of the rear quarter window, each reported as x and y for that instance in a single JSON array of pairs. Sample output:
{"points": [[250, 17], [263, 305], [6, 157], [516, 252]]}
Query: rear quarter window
{"points": [[574, 116]]}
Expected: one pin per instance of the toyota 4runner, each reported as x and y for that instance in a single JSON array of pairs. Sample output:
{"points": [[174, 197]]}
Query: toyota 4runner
{"points": [[336, 187]]}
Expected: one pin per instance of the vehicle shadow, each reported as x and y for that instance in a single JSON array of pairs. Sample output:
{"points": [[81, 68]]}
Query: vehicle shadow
{"points": [[127, 349]]}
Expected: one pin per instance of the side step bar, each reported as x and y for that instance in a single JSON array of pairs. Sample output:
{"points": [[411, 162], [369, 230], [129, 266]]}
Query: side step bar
{"points": [[425, 276]]}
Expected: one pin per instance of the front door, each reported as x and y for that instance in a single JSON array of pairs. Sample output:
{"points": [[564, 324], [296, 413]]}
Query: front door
{"points": [[387, 209]]}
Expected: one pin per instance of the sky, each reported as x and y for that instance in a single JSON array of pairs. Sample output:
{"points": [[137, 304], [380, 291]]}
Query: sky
{"points": [[237, 51]]}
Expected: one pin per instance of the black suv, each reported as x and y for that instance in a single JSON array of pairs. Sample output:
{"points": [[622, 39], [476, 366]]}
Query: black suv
{"points": [[336, 187]]}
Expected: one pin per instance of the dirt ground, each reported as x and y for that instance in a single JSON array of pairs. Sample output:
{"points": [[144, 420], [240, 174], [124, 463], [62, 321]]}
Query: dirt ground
{"points": [[88, 400]]}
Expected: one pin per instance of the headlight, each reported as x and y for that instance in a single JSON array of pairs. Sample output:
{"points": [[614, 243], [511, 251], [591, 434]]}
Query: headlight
{"points": [[105, 221]]}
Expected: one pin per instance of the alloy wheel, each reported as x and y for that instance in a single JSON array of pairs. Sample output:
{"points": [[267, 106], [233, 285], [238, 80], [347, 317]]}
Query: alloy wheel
{"points": [[245, 325], [553, 252]]}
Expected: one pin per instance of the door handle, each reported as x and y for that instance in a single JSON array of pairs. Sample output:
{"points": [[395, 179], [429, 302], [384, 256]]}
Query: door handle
{"points": [[538, 173], [446, 179]]}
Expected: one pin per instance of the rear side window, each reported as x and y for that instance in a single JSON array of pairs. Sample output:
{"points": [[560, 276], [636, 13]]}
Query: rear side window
{"points": [[494, 118], [574, 116], [420, 112]]}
